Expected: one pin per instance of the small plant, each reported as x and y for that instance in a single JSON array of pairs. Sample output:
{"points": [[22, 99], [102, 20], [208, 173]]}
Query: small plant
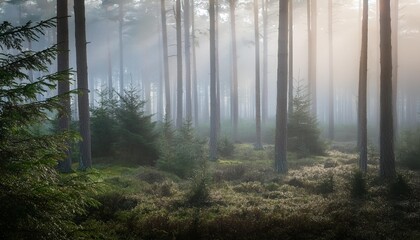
{"points": [[326, 186], [225, 147], [408, 150], [399, 187], [358, 187], [199, 192]]}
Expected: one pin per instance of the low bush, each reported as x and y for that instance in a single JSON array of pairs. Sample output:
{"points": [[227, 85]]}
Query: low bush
{"points": [[408, 150], [225, 147], [399, 188], [358, 186]]}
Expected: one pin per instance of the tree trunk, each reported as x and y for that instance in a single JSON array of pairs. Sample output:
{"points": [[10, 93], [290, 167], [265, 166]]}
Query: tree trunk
{"points": [[265, 63], [63, 65], [331, 73], [290, 57], [362, 108], [82, 83], [387, 157], [312, 49], [281, 109], [120, 41], [179, 86], [194, 69], [213, 120], [258, 144], [395, 33], [165, 61], [188, 97], [234, 97], [109, 63], [216, 31]]}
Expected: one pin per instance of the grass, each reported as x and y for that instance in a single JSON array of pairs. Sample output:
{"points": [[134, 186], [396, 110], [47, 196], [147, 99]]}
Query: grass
{"points": [[248, 200]]}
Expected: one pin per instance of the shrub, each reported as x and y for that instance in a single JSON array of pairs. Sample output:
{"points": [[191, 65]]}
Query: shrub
{"points": [[199, 192], [358, 188], [326, 186], [225, 147], [399, 187], [181, 151], [408, 150]]}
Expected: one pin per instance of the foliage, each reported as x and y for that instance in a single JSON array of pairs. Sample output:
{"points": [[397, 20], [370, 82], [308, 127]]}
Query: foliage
{"points": [[121, 130], [37, 202], [181, 151], [408, 150], [225, 147], [399, 187], [199, 192], [358, 187], [302, 130]]}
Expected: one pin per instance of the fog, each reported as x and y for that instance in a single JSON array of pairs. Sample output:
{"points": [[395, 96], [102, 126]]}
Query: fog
{"points": [[142, 55]]}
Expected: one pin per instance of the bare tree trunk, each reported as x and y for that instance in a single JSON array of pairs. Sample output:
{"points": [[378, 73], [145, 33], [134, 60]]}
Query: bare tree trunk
{"points": [[188, 97], [120, 42], [387, 156], [331, 73], [109, 65], [281, 110], [194, 69], [82, 83], [218, 125], [234, 97], [258, 144], [63, 65], [312, 45], [265, 62], [395, 33], [362, 109], [165, 61], [290, 57], [179, 86], [213, 120]]}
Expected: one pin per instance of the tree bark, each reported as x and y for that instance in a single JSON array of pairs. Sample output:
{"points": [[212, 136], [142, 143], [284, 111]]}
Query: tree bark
{"points": [[213, 120], [362, 101], [395, 33], [165, 61], [234, 97], [331, 73], [179, 86], [387, 156], [281, 109], [63, 65], [258, 144], [82, 83]]}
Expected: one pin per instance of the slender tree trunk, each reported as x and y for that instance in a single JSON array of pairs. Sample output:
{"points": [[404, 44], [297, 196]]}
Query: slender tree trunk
{"points": [[362, 113], [109, 61], [281, 109], [312, 45], [234, 97], [331, 73], [258, 144], [82, 83], [290, 57], [395, 33], [179, 86], [387, 156], [187, 49], [218, 125], [63, 65], [120, 41], [160, 83], [213, 120], [194, 69], [265, 63], [165, 61]]}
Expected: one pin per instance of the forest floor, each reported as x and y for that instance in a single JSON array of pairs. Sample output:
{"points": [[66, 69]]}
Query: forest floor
{"points": [[244, 198]]}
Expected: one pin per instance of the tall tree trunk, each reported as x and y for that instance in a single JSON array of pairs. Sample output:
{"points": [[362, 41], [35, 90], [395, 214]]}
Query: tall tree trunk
{"points": [[194, 68], [187, 49], [395, 33], [362, 102], [82, 83], [265, 63], [165, 61], [63, 65], [312, 52], [179, 86], [258, 144], [109, 65], [290, 57], [234, 97], [120, 42], [331, 73], [281, 109], [387, 156], [213, 120], [218, 125]]}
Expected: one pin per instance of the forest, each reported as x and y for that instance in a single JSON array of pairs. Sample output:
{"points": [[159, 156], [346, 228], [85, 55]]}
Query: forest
{"points": [[209, 119]]}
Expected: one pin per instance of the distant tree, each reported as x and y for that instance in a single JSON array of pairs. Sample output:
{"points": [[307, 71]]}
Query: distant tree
{"points": [[213, 110], [312, 43], [165, 60], [264, 97], [179, 102], [331, 72], [362, 102], [82, 83], [187, 49], [194, 68], [234, 93], [290, 100], [281, 110], [258, 144], [387, 155], [63, 65]]}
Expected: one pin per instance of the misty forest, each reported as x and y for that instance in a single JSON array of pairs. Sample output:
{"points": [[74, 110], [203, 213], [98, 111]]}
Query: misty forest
{"points": [[209, 119]]}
